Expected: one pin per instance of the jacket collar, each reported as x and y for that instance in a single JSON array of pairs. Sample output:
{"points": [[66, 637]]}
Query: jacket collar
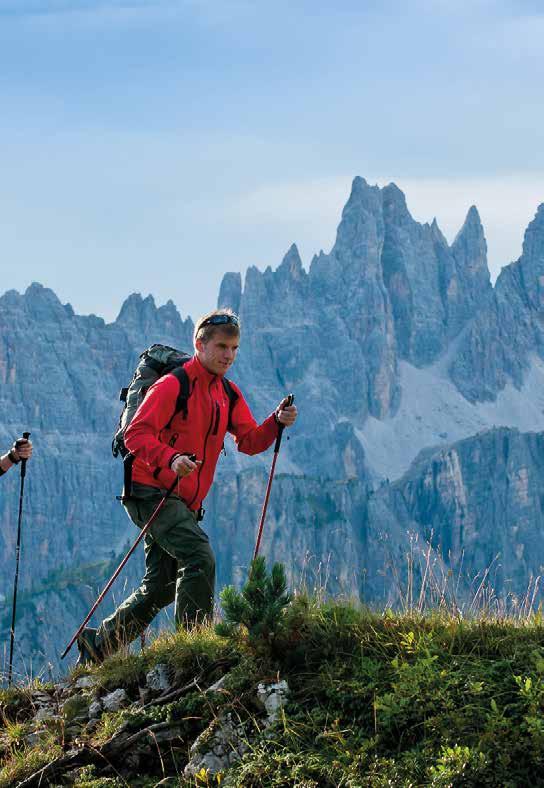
{"points": [[199, 371]]}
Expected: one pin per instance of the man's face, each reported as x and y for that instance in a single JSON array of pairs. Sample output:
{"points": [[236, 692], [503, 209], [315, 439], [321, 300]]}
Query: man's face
{"points": [[218, 353]]}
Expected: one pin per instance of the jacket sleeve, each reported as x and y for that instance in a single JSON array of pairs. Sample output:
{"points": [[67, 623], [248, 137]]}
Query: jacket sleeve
{"points": [[250, 437], [153, 414]]}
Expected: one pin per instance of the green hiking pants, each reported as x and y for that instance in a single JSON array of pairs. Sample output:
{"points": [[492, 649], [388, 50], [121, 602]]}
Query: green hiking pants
{"points": [[179, 565]]}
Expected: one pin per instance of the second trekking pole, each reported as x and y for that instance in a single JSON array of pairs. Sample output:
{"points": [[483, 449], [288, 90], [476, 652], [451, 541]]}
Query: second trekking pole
{"points": [[26, 436], [288, 401]]}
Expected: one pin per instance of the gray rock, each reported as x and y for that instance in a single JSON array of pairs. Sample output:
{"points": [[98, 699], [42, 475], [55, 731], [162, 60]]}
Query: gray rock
{"points": [[273, 697], [45, 713], [75, 709], [86, 682], [41, 698], [219, 684], [115, 700], [34, 738], [93, 724], [95, 709], [158, 679], [217, 748], [451, 493]]}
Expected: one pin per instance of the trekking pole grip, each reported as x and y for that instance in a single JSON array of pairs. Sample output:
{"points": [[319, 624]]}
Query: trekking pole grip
{"points": [[281, 427], [26, 436]]}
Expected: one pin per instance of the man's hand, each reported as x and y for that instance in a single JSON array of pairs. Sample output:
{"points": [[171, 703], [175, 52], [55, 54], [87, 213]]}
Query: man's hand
{"points": [[183, 466], [286, 414], [21, 450]]}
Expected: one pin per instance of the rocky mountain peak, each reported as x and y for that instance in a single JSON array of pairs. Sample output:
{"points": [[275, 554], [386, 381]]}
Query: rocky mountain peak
{"points": [[362, 197], [360, 232], [507, 332], [533, 242], [162, 324], [471, 235], [291, 263], [394, 205], [134, 307], [169, 312], [469, 250], [437, 234], [473, 216], [43, 303], [11, 298], [230, 291]]}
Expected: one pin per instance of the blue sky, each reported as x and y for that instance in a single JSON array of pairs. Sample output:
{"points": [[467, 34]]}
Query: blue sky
{"points": [[152, 146]]}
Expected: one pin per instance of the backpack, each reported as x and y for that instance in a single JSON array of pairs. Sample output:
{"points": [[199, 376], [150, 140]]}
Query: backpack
{"points": [[155, 362]]}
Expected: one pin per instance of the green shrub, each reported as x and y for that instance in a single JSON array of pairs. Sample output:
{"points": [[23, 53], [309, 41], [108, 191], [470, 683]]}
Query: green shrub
{"points": [[258, 607]]}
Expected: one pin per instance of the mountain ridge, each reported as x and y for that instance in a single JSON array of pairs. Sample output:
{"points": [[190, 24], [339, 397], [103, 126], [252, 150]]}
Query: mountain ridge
{"points": [[393, 342]]}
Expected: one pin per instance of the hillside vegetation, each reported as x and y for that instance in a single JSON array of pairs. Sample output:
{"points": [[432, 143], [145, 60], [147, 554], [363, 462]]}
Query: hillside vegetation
{"points": [[371, 699]]}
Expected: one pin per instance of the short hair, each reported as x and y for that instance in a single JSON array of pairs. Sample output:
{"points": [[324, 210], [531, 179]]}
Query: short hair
{"points": [[205, 333]]}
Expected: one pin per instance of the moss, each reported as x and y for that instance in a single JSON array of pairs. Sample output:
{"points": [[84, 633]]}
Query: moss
{"points": [[86, 777]]}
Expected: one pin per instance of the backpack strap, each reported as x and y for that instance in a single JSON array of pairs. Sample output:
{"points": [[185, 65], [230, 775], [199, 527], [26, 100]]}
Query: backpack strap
{"points": [[128, 462], [184, 392], [233, 396]]}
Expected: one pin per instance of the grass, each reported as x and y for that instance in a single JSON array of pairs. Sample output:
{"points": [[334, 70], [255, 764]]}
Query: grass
{"points": [[407, 699], [16, 702], [186, 653], [376, 699], [26, 760]]}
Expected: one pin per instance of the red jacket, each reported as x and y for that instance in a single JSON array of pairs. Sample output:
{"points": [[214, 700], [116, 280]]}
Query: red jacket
{"points": [[153, 444]]}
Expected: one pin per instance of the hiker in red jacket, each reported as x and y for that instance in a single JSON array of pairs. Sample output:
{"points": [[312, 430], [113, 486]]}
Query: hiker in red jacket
{"points": [[180, 563], [21, 450]]}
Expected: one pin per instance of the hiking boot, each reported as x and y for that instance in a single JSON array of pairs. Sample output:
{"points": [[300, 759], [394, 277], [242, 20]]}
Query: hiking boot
{"points": [[89, 651]]}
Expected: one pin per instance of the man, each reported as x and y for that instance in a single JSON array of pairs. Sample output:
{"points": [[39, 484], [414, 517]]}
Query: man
{"points": [[179, 561], [21, 450]]}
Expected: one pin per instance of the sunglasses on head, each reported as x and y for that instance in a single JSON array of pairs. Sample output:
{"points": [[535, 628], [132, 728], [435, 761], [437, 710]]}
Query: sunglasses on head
{"points": [[220, 320]]}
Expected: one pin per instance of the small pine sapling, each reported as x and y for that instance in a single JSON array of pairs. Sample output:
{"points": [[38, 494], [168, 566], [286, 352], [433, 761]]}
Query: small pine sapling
{"points": [[258, 607]]}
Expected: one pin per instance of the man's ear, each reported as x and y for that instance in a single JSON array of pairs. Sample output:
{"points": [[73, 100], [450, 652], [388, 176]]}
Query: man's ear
{"points": [[199, 345]]}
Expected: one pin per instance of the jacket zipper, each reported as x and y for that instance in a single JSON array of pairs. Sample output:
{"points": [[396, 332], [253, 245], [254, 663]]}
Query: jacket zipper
{"points": [[193, 499], [217, 415]]}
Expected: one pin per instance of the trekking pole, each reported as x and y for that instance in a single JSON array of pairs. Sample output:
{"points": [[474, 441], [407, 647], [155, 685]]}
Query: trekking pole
{"points": [[110, 582], [290, 400], [26, 436]]}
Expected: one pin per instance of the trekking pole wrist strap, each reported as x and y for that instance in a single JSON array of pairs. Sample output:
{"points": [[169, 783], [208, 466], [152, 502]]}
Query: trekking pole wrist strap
{"points": [[13, 458]]}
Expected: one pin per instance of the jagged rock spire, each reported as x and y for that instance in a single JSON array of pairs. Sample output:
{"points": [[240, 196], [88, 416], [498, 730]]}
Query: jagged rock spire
{"points": [[533, 242], [230, 292]]}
